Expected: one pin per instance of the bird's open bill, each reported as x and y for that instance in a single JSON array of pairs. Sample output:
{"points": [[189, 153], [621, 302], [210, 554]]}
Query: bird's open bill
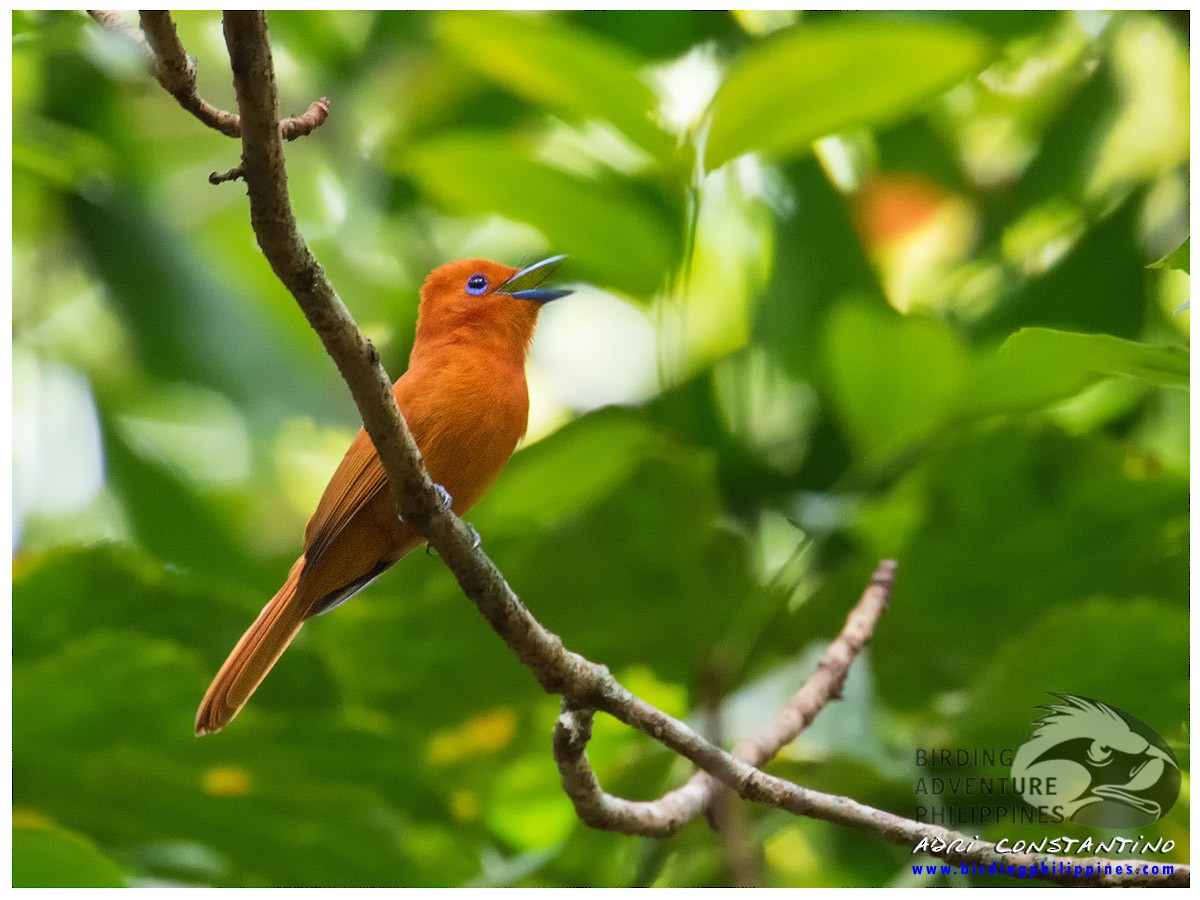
{"points": [[524, 285]]}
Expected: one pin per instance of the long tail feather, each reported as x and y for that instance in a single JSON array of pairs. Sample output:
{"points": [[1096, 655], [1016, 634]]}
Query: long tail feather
{"points": [[257, 651]]}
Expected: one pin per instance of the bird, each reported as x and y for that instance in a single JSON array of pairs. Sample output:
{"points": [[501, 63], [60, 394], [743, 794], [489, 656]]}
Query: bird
{"points": [[466, 402]]}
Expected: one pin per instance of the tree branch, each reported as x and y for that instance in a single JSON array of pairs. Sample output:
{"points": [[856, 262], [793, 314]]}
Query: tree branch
{"points": [[176, 71], [584, 685], [171, 66], [274, 226], [666, 815]]}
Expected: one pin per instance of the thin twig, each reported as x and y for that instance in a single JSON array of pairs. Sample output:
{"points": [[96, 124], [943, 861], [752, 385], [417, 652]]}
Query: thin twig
{"points": [[666, 815], [171, 66], [113, 21], [307, 122], [176, 71], [238, 171], [585, 685]]}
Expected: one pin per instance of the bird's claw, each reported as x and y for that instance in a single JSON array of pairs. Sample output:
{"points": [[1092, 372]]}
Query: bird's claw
{"points": [[445, 501], [476, 540], [444, 498]]}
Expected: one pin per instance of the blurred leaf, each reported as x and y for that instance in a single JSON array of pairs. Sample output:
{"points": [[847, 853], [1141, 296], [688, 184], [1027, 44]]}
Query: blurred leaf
{"points": [[613, 236], [209, 332], [895, 378], [1038, 366], [142, 596], [661, 34], [918, 146], [528, 812], [818, 261], [1100, 285], [813, 80], [113, 754], [1114, 668], [169, 517], [138, 689], [1179, 258], [586, 463], [1068, 148], [548, 62], [675, 601], [1005, 523], [328, 38], [998, 24], [50, 857], [899, 379]]}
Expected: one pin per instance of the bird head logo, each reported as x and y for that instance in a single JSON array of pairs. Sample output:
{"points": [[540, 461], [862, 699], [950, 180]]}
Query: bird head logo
{"points": [[1096, 765]]}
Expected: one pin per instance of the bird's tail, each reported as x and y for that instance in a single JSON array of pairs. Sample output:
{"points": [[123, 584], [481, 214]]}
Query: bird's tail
{"points": [[257, 651]]}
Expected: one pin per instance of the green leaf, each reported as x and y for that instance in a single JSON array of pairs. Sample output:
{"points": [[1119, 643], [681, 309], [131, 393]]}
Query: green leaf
{"points": [[1004, 524], [137, 688], [898, 379], [50, 857], [819, 260], [1038, 366], [1179, 258], [814, 80], [895, 378], [585, 463], [1099, 285], [998, 24], [546, 62], [612, 234], [1114, 669]]}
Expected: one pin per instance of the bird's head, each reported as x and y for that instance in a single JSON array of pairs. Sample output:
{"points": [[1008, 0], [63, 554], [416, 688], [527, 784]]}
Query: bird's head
{"points": [[477, 302]]}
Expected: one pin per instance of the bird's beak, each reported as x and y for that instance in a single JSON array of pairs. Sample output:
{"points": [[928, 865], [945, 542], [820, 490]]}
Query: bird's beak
{"points": [[524, 285]]}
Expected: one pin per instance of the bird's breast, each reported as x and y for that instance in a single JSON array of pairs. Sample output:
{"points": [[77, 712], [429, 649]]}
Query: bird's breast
{"points": [[466, 420]]}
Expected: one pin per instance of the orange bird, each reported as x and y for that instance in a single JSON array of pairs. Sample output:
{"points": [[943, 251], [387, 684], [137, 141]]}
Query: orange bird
{"points": [[466, 403]]}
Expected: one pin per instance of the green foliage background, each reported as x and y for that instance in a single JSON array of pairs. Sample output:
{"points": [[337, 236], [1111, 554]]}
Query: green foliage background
{"points": [[934, 337]]}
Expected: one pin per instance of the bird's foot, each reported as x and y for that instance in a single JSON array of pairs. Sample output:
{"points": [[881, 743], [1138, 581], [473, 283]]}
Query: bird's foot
{"points": [[444, 498], [445, 501], [476, 540]]}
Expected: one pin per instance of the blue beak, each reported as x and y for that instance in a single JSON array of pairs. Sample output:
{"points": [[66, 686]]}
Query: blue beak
{"points": [[524, 285]]}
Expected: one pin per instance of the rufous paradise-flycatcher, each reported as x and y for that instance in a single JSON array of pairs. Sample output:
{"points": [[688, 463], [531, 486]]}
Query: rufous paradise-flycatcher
{"points": [[465, 401]]}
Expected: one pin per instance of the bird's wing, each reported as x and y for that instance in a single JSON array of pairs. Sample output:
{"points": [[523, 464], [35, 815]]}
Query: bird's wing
{"points": [[358, 479]]}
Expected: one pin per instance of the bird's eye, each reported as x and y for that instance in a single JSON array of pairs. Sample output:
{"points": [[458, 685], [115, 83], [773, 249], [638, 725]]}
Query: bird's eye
{"points": [[476, 285]]}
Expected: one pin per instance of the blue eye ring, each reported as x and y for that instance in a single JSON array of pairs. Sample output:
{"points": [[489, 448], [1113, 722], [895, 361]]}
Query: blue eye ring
{"points": [[477, 284]]}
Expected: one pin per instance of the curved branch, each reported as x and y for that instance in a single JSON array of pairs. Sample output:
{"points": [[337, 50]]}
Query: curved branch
{"points": [[169, 63], [666, 815], [176, 72]]}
